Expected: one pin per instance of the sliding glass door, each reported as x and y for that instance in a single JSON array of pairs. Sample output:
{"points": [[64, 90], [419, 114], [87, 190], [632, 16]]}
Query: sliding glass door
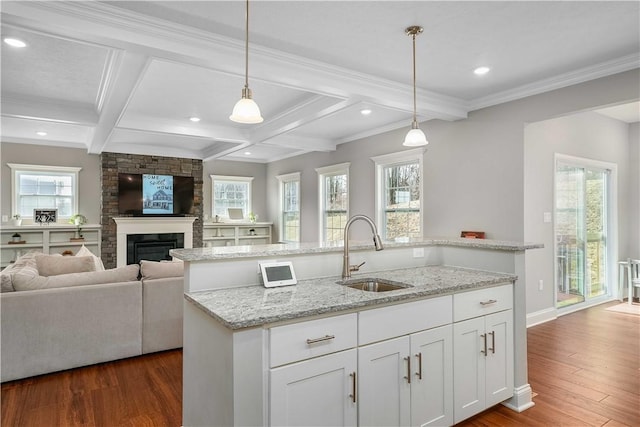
{"points": [[581, 224]]}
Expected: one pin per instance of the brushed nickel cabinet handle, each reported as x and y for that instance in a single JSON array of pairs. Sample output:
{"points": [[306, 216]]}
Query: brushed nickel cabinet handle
{"points": [[419, 373], [488, 302], [353, 386], [493, 342], [484, 337], [408, 377], [317, 340]]}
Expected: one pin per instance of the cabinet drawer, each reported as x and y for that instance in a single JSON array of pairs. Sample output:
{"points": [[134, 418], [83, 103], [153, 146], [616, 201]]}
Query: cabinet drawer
{"points": [[313, 338], [483, 301], [402, 319]]}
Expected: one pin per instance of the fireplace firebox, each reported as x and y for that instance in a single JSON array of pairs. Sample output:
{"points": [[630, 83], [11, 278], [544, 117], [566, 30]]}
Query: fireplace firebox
{"points": [[152, 246]]}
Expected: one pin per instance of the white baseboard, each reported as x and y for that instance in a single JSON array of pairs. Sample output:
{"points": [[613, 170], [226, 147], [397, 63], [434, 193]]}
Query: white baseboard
{"points": [[521, 400], [541, 316]]}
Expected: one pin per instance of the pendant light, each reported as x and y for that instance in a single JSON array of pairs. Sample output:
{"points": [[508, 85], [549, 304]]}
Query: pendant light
{"points": [[415, 137], [246, 110]]}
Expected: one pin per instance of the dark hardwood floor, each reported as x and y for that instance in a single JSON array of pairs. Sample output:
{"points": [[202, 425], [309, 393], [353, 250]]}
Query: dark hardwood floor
{"points": [[583, 367]]}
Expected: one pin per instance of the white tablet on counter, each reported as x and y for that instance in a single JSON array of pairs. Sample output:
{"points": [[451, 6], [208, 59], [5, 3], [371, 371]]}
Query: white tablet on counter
{"points": [[277, 274]]}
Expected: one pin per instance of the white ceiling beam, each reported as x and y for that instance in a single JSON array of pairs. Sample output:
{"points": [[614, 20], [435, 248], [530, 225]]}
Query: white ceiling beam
{"points": [[303, 143], [128, 71], [312, 108]]}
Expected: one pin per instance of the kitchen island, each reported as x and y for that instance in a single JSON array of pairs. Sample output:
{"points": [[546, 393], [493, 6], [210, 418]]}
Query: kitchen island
{"points": [[313, 352]]}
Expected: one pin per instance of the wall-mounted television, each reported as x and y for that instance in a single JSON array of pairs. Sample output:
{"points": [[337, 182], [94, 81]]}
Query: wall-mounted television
{"points": [[154, 195]]}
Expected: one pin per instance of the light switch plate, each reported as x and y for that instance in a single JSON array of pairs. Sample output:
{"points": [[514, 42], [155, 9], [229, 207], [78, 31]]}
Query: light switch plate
{"points": [[546, 217], [418, 252]]}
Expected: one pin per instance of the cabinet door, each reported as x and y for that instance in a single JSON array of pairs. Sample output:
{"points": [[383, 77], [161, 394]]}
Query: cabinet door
{"points": [[315, 392], [499, 360], [468, 368], [432, 382], [383, 387]]}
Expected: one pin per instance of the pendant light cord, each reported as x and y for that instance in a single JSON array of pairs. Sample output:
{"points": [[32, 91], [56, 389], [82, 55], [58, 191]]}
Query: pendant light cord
{"points": [[414, 77], [246, 48]]}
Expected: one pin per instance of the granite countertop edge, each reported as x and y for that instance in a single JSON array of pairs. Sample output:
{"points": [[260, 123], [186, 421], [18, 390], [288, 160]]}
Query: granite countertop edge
{"points": [[279, 249], [212, 301]]}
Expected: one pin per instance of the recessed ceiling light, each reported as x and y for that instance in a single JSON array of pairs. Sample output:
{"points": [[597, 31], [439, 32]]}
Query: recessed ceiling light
{"points": [[481, 71], [194, 119], [41, 133], [14, 42], [365, 111], [247, 153]]}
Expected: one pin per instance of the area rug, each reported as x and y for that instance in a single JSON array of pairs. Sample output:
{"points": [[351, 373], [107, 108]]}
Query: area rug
{"points": [[626, 308]]}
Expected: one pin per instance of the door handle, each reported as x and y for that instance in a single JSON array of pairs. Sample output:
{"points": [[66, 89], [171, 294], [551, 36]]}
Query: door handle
{"points": [[419, 373], [353, 387], [484, 337], [493, 342], [408, 377]]}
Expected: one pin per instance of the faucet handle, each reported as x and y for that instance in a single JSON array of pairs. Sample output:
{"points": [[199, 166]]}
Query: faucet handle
{"points": [[356, 267]]}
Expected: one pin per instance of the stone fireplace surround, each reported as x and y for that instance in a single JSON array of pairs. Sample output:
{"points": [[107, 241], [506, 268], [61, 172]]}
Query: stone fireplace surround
{"points": [[114, 163]]}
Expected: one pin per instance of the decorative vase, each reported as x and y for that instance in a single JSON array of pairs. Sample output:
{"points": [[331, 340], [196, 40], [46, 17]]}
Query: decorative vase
{"points": [[17, 222]]}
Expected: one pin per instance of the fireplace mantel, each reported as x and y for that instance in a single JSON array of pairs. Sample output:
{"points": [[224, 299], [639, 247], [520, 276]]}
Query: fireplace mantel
{"points": [[141, 225]]}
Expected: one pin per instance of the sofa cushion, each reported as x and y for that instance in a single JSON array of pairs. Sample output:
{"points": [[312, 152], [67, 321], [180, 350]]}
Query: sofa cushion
{"points": [[53, 265], [83, 251], [27, 281], [161, 269]]}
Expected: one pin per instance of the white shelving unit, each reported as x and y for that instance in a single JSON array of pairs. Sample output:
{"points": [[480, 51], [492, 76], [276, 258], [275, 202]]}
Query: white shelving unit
{"points": [[49, 239], [235, 234]]}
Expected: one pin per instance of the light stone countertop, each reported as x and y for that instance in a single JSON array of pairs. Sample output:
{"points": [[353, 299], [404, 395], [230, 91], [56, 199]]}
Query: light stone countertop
{"points": [[251, 306], [229, 252]]}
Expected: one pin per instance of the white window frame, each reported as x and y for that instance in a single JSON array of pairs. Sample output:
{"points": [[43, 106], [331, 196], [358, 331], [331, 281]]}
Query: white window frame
{"points": [[324, 172], [17, 168], [282, 179], [392, 159], [241, 179]]}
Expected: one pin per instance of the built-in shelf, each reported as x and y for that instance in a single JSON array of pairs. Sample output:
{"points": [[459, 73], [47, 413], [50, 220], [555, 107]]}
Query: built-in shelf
{"points": [[48, 239], [235, 234]]}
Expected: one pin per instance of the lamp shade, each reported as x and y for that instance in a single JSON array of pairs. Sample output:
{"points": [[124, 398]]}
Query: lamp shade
{"points": [[415, 137], [246, 111]]}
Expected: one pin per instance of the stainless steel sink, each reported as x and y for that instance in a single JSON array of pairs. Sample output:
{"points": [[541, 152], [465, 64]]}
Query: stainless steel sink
{"points": [[374, 285]]}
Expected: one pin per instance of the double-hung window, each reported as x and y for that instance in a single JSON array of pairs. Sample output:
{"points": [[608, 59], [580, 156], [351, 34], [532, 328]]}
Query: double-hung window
{"points": [[230, 192], [290, 207], [44, 187], [333, 182], [399, 194]]}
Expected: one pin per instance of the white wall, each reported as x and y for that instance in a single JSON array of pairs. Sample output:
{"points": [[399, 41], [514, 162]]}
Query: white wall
{"points": [[585, 135], [634, 190]]}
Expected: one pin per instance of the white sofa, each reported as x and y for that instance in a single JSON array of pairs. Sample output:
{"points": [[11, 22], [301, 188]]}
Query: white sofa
{"points": [[58, 328]]}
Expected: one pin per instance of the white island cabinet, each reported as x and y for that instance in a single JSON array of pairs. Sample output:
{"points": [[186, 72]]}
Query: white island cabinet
{"points": [[483, 350], [447, 346]]}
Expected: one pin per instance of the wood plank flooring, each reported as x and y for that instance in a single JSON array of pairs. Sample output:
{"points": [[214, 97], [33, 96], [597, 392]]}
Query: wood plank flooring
{"points": [[584, 368]]}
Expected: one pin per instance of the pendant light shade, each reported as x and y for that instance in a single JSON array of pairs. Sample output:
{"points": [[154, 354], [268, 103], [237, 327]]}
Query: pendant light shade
{"points": [[415, 137], [246, 110]]}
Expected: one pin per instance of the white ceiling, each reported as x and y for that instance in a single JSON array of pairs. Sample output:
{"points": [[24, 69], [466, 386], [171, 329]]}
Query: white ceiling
{"points": [[126, 76]]}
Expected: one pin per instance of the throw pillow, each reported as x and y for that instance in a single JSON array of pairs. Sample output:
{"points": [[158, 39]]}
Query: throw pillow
{"points": [[27, 261], [53, 265], [32, 282], [161, 269], [96, 260]]}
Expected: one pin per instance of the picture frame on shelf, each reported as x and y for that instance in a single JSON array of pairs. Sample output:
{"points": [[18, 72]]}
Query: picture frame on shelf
{"points": [[45, 216]]}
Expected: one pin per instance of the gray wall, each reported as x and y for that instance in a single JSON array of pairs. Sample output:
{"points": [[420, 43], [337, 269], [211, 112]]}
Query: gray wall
{"points": [[90, 195], [473, 168], [585, 135]]}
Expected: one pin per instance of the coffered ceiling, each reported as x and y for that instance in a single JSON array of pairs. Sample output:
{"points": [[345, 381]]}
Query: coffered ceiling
{"points": [[126, 76]]}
